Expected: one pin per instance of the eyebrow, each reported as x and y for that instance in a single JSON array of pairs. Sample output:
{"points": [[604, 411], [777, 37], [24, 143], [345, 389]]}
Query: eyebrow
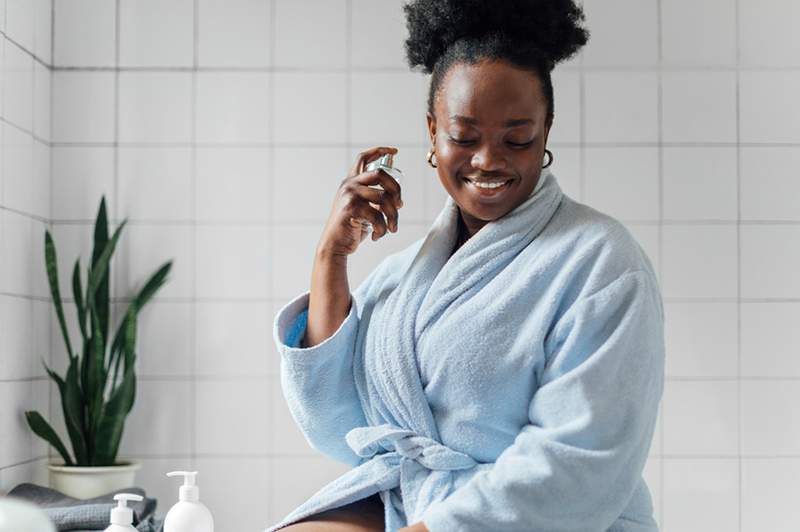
{"points": [[508, 123]]}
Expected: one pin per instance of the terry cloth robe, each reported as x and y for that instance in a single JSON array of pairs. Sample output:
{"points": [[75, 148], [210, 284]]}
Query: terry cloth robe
{"points": [[512, 386]]}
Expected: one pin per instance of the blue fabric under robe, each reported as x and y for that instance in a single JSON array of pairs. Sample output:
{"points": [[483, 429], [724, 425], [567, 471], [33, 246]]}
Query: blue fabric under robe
{"points": [[512, 386]]}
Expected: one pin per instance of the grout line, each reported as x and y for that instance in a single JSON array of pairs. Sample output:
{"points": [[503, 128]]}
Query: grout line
{"points": [[660, 228], [271, 230], [193, 193], [739, 264]]}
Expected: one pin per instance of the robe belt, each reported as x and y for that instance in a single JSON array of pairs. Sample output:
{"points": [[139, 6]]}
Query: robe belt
{"points": [[368, 441]]}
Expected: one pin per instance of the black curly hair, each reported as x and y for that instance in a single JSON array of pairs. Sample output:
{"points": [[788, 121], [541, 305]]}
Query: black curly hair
{"points": [[531, 34]]}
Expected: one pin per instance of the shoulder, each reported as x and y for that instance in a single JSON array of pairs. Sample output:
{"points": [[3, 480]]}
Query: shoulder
{"points": [[388, 272], [595, 249]]}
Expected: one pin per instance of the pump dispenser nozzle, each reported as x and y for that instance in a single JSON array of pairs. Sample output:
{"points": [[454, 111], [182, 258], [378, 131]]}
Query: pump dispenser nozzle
{"points": [[122, 515], [189, 491]]}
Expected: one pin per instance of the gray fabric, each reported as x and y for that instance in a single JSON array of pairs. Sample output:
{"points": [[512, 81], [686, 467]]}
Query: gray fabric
{"points": [[83, 515]]}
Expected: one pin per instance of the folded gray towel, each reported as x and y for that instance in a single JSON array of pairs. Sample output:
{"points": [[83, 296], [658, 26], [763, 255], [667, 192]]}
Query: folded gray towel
{"points": [[83, 515]]}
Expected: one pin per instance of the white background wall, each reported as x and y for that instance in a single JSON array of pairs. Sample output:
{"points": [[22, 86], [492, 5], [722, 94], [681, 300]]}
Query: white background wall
{"points": [[221, 130]]}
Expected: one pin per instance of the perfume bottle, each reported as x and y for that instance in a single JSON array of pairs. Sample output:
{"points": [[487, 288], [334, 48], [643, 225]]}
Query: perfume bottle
{"points": [[384, 162]]}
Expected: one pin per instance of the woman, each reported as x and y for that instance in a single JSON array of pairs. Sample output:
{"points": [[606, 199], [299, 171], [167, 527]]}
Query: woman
{"points": [[503, 372]]}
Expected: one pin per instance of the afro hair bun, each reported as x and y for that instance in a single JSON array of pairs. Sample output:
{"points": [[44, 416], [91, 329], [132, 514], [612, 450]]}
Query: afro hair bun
{"points": [[551, 27]]}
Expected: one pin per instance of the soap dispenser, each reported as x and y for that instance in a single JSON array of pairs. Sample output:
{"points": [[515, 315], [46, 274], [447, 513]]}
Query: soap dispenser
{"points": [[188, 514], [122, 516]]}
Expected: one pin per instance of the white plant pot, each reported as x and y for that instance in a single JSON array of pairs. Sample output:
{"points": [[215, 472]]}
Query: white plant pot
{"points": [[92, 481]]}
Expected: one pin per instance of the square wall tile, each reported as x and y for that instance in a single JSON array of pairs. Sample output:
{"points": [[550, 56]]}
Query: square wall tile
{"points": [[293, 259], [83, 106], [768, 33], [706, 410], [310, 107], [701, 339], [322, 171], [699, 106], [233, 107], [234, 33], [233, 338], [81, 176], [40, 187], [770, 426], [623, 182], [232, 184], [41, 101], [621, 106], [706, 37], [567, 170], [142, 250], [42, 30], [16, 339], [159, 423], [85, 33], [769, 265], [20, 21], [17, 165], [155, 183], [155, 33], [770, 337], [18, 253], [699, 183], [164, 343], [230, 417], [614, 44], [155, 106], [311, 34], [699, 261], [378, 33], [236, 490], [387, 108], [770, 187], [18, 86], [566, 107], [701, 494], [233, 261], [768, 501], [768, 106]]}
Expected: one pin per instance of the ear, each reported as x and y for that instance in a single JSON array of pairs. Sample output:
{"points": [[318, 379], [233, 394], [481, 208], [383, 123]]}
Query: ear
{"points": [[431, 127]]}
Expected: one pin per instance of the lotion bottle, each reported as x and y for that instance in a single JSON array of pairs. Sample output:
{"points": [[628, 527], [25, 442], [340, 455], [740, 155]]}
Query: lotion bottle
{"points": [[188, 514], [122, 516]]}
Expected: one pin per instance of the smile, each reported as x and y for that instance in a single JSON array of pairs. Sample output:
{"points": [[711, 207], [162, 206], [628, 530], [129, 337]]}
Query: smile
{"points": [[488, 189]]}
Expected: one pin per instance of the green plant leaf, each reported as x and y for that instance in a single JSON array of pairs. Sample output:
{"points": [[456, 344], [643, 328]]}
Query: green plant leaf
{"points": [[149, 289], [100, 267], [115, 411], [95, 373], [73, 406], [43, 429], [77, 292], [101, 292], [51, 265]]}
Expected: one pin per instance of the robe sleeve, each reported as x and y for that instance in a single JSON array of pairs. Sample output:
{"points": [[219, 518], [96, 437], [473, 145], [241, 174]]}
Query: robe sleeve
{"points": [[317, 381], [576, 464]]}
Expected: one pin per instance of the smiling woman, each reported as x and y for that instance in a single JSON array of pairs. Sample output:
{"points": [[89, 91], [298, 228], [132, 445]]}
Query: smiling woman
{"points": [[504, 372]]}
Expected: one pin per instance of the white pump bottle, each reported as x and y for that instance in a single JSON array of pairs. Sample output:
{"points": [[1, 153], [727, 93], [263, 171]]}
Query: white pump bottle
{"points": [[122, 516], [188, 514]]}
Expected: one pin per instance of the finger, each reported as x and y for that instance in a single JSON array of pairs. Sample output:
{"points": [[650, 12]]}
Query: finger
{"points": [[373, 216], [387, 182]]}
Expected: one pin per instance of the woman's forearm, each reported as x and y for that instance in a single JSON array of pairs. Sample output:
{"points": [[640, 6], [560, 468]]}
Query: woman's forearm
{"points": [[329, 299]]}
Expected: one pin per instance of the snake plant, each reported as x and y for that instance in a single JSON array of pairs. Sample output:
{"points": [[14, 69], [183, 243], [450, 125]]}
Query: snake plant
{"points": [[99, 386]]}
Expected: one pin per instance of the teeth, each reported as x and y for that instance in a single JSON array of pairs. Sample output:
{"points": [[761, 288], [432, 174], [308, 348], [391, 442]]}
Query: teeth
{"points": [[488, 185]]}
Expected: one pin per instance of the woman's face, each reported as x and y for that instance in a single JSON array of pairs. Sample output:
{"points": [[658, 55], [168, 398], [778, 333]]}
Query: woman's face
{"points": [[489, 125]]}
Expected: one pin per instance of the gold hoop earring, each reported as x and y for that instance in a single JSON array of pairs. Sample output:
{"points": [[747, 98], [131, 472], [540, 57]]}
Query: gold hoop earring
{"points": [[430, 157], [550, 155]]}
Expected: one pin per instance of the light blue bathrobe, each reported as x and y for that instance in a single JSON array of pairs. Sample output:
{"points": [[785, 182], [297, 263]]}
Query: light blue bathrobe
{"points": [[511, 387]]}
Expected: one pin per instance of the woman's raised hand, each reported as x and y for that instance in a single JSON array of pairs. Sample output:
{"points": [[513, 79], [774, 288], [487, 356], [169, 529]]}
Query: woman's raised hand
{"points": [[353, 205]]}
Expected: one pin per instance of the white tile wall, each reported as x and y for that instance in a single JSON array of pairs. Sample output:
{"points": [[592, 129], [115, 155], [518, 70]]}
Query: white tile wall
{"points": [[25, 139], [221, 131]]}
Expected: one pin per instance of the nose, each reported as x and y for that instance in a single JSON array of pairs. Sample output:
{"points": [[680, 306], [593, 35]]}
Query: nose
{"points": [[487, 159]]}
